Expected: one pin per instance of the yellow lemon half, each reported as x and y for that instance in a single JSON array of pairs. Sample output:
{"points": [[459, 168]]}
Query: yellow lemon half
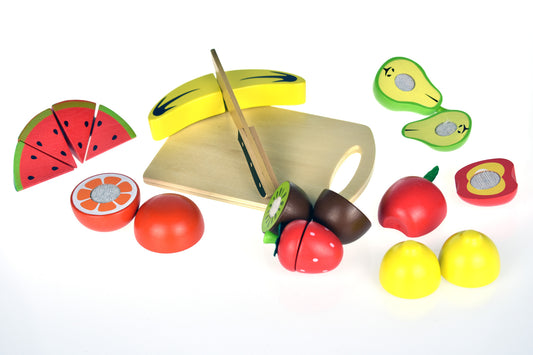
{"points": [[410, 270], [469, 259]]}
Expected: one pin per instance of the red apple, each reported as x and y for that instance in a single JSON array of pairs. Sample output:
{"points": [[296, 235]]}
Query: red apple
{"points": [[413, 205], [497, 174]]}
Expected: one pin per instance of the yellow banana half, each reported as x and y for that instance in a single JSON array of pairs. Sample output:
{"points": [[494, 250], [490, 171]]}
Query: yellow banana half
{"points": [[201, 98]]}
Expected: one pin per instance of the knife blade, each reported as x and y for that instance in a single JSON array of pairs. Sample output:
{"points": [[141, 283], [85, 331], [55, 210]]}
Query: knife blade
{"points": [[257, 160]]}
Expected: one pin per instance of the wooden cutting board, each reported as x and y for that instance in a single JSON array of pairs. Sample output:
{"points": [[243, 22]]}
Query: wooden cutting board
{"points": [[205, 159]]}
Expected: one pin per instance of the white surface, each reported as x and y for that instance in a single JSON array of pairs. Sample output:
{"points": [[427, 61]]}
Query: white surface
{"points": [[65, 289]]}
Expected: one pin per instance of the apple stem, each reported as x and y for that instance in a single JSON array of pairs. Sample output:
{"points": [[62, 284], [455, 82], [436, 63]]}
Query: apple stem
{"points": [[432, 174]]}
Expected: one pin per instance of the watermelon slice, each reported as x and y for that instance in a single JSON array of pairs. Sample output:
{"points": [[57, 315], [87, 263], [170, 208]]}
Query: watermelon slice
{"points": [[31, 166], [76, 119], [48, 144], [43, 133], [109, 130]]}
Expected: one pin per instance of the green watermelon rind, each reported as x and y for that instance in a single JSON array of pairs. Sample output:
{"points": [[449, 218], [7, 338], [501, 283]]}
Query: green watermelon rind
{"points": [[44, 114], [119, 119], [17, 162], [16, 166], [33, 123], [73, 104]]}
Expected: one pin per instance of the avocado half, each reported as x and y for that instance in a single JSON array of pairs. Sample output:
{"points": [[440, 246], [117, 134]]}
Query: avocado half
{"points": [[402, 85], [443, 131]]}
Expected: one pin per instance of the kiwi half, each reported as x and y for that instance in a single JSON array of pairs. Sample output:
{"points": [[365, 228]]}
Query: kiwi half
{"points": [[288, 202], [340, 216]]}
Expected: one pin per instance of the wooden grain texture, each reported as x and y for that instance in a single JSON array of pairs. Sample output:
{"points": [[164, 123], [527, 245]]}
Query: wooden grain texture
{"points": [[205, 159], [259, 164]]}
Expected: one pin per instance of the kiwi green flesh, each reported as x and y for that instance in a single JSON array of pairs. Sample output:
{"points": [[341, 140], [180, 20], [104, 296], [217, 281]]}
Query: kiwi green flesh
{"points": [[275, 206], [288, 202]]}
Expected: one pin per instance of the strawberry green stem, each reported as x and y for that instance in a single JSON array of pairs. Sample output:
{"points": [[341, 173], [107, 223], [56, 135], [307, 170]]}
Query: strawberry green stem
{"points": [[270, 238], [432, 174]]}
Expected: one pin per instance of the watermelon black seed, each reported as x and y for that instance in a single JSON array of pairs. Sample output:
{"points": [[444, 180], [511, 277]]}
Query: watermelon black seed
{"points": [[65, 123], [80, 145], [95, 147], [55, 131], [54, 168], [114, 137], [63, 153], [39, 143], [33, 157], [86, 123], [31, 177], [99, 123]]}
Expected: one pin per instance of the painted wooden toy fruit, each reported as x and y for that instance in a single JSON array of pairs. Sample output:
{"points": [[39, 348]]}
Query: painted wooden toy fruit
{"points": [[488, 182], [402, 85], [49, 142], [105, 202], [340, 216], [443, 131], [76, 120], [168, 223], [469, 259], [410, 270], [43, 133], [201, 98], [309, 247], [413, 205], [31, 167], [288, 203], [108, 131]]}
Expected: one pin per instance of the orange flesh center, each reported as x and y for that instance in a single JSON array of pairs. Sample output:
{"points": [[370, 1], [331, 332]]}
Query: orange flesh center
{"points": [[104, 195]]}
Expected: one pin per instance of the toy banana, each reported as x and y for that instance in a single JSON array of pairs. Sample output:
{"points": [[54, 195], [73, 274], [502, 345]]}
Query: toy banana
{"points": [[201, 98]]}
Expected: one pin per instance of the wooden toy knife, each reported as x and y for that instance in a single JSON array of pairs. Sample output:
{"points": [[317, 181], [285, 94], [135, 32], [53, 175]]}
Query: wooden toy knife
{"points": [[256, 157]]}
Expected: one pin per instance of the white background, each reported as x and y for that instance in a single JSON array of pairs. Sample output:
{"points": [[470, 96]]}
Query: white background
{"points": [[65, 289]]}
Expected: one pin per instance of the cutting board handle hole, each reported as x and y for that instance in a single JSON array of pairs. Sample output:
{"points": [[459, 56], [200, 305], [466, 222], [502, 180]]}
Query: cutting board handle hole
{"points": [[345, 170]]}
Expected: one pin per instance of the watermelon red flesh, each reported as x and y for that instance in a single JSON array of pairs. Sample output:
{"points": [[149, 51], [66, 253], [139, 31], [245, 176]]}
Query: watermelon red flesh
{"points": [[76, 120], [109, 130], [43, 133], [31, 166]]}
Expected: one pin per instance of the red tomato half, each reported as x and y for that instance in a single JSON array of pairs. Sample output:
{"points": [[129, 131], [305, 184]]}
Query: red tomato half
{"points": [[168, 223]]}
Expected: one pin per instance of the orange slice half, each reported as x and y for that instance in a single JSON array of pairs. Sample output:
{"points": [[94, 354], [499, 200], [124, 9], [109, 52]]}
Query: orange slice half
{"points": [[105, 202]]}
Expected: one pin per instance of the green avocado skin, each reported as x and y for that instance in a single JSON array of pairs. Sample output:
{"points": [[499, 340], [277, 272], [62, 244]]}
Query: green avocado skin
{"points": [[429, 136], [395, 105]]}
